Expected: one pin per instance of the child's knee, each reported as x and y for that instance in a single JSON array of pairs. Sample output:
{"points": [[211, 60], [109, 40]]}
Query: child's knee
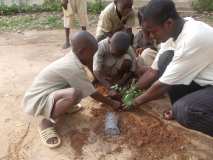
{"points": [[77, 95], [73, 95]]}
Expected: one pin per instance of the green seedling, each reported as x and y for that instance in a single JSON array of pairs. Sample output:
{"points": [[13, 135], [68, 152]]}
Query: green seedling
{"points": [[128, 94]]}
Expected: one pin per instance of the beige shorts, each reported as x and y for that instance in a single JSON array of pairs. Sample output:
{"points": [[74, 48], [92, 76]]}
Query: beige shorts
{"points": [[75, 7], [47, 110]]}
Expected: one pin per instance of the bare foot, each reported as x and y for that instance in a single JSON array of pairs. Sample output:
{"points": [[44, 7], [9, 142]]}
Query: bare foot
{"points": [[66, 45], [167, 115], [44, 124]]}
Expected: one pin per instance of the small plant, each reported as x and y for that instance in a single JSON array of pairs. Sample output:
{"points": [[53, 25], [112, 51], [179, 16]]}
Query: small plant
{"points": [[127, 94], [203, 5]]}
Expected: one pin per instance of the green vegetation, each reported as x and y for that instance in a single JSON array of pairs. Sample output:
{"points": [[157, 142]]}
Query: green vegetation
{"points": [[128, 94], [46, 16], [46, 7], [203, 5], [29, 22], [94, 7]]}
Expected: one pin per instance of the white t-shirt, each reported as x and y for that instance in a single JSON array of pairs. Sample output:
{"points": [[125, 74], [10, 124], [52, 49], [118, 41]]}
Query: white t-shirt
{"points": [[193, 56], [168, 45]]}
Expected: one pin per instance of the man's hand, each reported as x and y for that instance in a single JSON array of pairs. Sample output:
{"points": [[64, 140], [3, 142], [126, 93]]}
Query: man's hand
{"points": [[64, 4]]}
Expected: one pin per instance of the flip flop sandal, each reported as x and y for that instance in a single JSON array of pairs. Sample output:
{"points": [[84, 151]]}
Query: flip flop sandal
{"points": [[75, 109], [167, 115], [48, 133]]}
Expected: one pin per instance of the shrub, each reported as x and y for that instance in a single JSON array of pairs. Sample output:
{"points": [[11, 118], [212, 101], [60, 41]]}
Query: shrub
{"points": [[96, 6], [48, 6], [203, 5]]}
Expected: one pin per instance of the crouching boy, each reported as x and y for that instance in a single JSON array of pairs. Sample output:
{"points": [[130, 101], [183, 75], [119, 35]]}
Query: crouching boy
{"points": [[61, 86], [115, 61]]}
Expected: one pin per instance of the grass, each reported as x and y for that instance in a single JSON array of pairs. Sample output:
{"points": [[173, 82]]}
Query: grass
{"points": [[38, 21], [31, 21], [202, 5]]}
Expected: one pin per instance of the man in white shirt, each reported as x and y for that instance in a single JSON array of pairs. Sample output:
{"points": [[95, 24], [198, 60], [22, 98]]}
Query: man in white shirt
{"points": [[186, 74]]}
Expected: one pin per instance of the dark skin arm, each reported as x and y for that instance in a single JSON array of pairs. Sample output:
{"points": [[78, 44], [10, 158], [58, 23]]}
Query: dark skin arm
{"points": [[64, 4], [125, 72], [101, 79], [149, 76], [99, 97], [157, 90], [125, 78]]}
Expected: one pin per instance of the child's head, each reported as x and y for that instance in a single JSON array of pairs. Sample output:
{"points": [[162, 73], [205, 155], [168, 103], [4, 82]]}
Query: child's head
{"points": [[84, 45], [124, 7], [119, 43]]}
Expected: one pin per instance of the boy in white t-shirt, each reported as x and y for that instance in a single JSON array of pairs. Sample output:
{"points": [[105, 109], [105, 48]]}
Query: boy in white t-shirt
{"points": [[186, 73]]}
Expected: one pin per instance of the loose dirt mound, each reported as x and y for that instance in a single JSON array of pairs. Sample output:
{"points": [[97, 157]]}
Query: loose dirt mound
{"points": [[142, 133]]}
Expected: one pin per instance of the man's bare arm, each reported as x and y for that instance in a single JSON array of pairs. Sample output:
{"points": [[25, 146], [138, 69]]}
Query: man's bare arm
{"points": [[147, 78], [157, 90]]}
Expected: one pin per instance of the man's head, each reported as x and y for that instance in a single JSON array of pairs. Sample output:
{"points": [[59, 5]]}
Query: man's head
{"points": [[159, 19], [119, 43], [84, 45], [124, 7]]}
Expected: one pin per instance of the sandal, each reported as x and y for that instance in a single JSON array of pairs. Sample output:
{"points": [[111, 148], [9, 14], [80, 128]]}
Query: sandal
{"points": [[48, 133]]}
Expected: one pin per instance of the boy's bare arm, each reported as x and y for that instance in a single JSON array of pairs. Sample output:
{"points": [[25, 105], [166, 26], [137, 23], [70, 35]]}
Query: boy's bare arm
{"points": [[125, 78], [101, 79], [99, 97]]}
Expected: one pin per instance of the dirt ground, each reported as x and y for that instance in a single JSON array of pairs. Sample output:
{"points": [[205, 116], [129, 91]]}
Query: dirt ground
{"points": [[144, 135]]}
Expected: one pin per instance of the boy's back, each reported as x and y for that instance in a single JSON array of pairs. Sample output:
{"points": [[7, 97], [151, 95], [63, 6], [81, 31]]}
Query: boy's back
{"points": [[65, 72]]}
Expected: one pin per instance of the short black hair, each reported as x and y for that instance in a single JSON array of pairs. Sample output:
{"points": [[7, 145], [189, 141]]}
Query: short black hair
{"points": [[121, 41], [158, 11]]}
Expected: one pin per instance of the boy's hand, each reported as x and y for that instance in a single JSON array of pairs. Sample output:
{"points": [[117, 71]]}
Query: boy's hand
{"points": [[139, 51], [64, 4], [116, 105], [114, 95]]}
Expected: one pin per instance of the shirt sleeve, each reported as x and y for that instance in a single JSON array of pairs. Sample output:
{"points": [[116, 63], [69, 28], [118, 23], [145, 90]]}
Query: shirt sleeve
{"points": [[133, 57], [155, 62], [169, 45], [98, 59], [189, 60], [80, 81]]}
